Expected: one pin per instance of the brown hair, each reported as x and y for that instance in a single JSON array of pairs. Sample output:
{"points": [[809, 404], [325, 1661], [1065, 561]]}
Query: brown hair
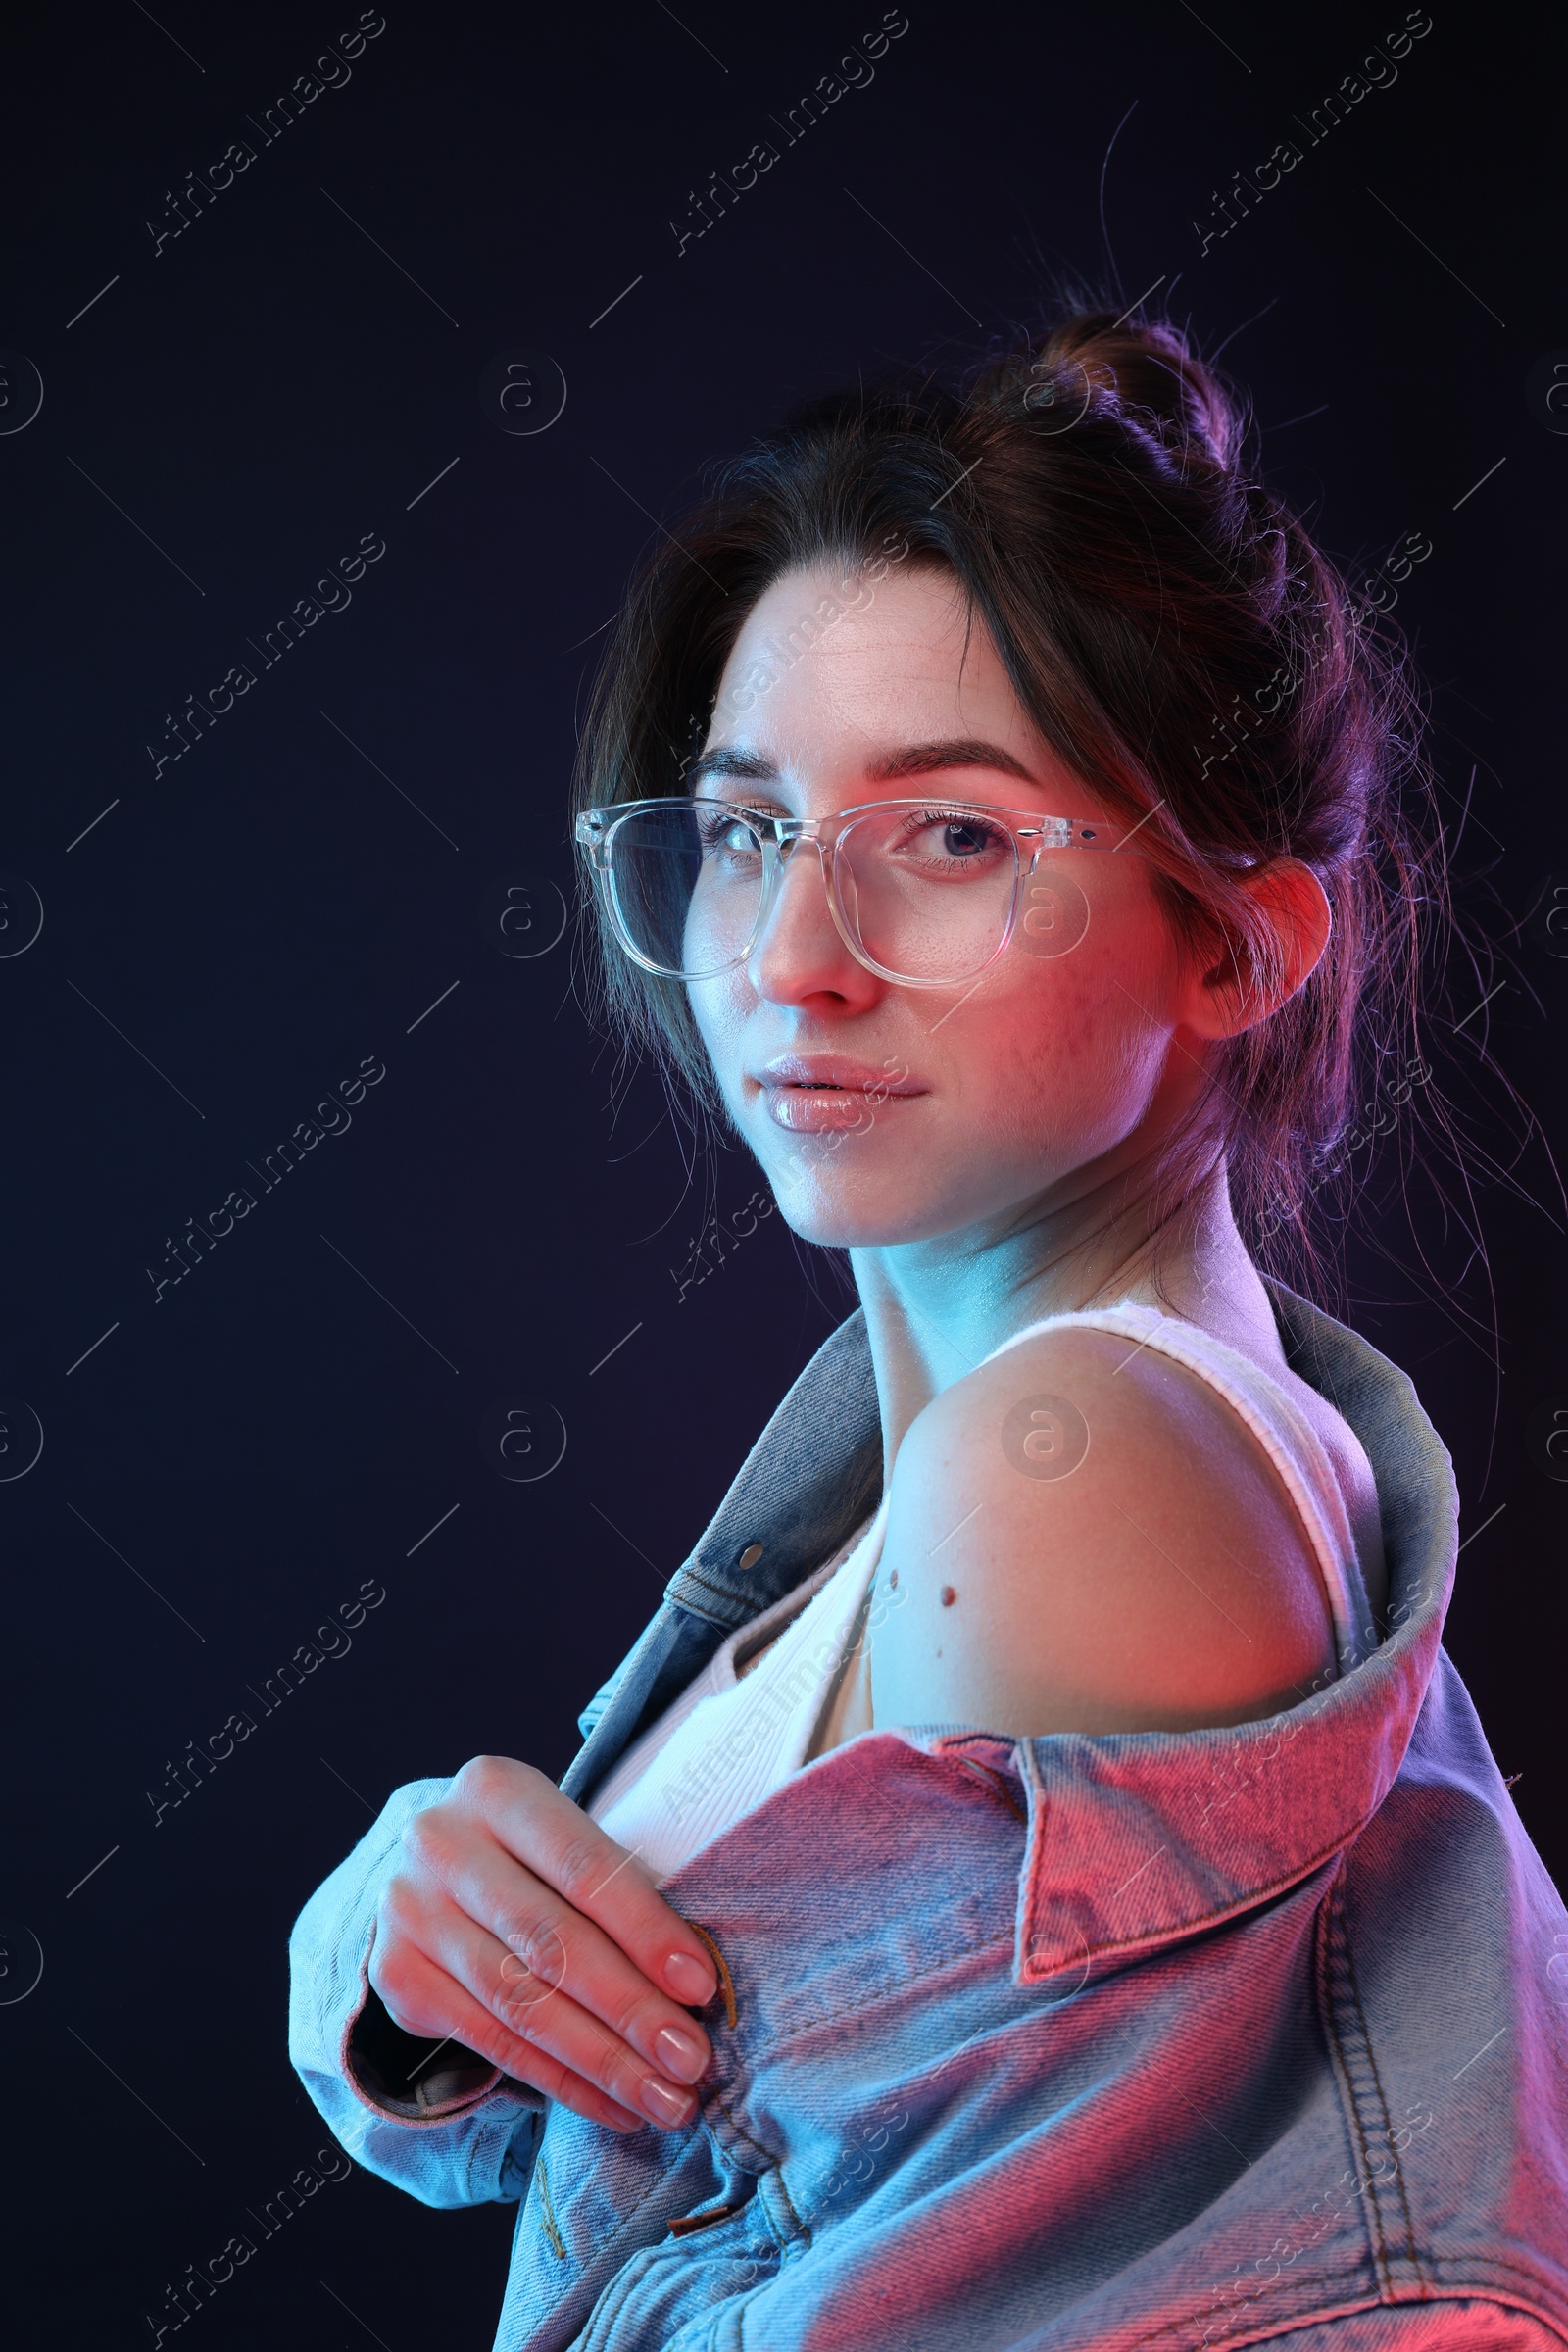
{"points": [[1174, 633]]}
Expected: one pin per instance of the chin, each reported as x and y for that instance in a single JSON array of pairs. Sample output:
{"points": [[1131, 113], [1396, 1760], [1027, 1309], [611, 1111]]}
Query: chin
{"points": [[857, 1213]]}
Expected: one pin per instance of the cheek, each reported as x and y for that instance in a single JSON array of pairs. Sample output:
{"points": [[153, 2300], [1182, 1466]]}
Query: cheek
{"points": [[1075, 1043], [720, 1008], [1048, 1061]]}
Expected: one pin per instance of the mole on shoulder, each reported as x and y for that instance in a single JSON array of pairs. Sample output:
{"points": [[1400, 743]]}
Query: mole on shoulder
{"points": [[948, 1597]]}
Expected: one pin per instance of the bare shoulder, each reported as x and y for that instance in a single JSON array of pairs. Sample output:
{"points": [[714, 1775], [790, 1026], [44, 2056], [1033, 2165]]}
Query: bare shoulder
{"points": [[1087, 1538]]}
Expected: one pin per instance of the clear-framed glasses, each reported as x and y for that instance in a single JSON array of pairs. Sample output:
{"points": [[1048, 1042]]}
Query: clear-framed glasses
{"points": [[923, 892]]}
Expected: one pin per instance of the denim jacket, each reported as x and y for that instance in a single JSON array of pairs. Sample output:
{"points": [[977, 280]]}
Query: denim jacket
{"points": [[1064, 2044]]}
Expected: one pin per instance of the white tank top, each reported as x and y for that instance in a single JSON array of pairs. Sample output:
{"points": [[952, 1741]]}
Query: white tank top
{"points": [[795, 1682]]}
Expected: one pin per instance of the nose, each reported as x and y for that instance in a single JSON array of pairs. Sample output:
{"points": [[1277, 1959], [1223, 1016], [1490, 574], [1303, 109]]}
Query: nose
{"points": [[800, 952]]}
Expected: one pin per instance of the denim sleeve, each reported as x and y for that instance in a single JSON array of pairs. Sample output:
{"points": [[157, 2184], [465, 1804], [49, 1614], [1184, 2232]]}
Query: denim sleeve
{"points": [[461, 2133]]}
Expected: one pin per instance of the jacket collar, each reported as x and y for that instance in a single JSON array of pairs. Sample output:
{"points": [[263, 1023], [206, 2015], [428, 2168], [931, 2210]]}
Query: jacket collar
{"points": [[810, 1478]]}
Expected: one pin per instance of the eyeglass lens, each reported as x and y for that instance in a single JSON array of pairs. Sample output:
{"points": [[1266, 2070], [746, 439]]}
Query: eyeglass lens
{"points": [[925, 892]]}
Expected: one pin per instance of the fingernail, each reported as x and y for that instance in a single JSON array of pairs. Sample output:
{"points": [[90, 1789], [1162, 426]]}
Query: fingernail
{"points": [[690, 1981], [680, 2054], [664, 2104]]}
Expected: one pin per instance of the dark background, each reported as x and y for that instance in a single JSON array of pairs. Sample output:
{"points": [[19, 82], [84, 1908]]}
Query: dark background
{"points": [[235, 933]]}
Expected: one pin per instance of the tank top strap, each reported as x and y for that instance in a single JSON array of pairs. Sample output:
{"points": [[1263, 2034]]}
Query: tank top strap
{"points": [[1280, 1427]]}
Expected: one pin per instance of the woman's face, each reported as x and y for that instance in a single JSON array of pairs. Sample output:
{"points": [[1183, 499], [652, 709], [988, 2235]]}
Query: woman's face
{"points": [[884, 1113]]}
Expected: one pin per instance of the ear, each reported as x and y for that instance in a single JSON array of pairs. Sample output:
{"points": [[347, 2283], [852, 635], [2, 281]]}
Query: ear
{"points": [[1239, 991]]}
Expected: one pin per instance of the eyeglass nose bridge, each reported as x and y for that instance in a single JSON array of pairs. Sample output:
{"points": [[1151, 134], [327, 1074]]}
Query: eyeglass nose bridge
{"points": [[786, 831], [779, 841]]}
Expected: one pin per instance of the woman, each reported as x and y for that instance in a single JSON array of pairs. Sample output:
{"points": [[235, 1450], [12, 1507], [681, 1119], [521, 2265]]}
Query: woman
{"points": [[1037, 1881]]}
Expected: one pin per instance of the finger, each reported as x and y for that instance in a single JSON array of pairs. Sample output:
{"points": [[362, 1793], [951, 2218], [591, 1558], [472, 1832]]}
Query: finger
{"points": [[557, 1841], [545, 2017], [548, 1946], [548, 1939], [566, 2034], [428, 1996]]}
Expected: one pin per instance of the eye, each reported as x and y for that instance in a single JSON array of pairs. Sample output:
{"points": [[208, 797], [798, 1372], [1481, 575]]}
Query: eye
{"points": [[963, 839], [947, 841], [726, 831]]}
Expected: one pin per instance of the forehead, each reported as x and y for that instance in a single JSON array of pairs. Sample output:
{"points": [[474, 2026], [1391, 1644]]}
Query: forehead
{"points": [[833, 633], [835, 671]]}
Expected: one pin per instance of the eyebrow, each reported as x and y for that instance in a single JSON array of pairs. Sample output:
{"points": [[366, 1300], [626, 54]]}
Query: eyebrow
{"points": [[912, 760]]}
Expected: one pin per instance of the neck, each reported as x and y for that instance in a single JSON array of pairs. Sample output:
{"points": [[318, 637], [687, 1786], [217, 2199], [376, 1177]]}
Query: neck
{"points": [[935, 1309]]}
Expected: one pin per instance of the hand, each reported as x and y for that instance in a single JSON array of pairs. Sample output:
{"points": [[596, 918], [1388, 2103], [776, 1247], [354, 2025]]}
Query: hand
{"points": [[516, 1927]]}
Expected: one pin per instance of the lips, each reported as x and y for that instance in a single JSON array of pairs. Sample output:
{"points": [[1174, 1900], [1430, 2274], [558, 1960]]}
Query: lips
{"points": [[812, 1094], [837, 1073]]}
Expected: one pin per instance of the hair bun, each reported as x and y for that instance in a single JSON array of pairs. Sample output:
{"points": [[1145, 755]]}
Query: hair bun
{"points": [[1149, 367]]}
